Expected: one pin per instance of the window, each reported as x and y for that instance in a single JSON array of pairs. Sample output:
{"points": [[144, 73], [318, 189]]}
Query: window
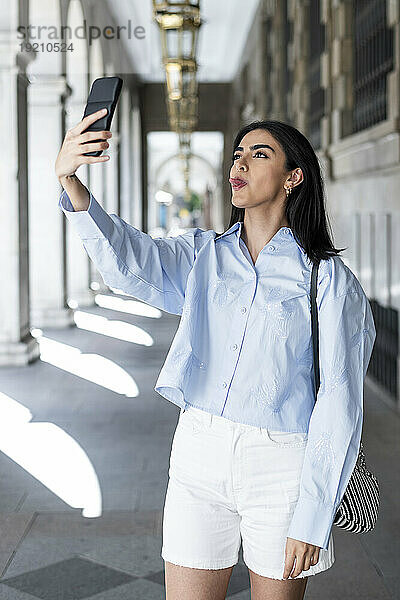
{"points": [[372, 61], [317, 93]]}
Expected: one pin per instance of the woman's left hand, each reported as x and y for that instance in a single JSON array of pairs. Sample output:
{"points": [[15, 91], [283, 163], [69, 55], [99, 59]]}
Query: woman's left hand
{"points": [[306, 555]]}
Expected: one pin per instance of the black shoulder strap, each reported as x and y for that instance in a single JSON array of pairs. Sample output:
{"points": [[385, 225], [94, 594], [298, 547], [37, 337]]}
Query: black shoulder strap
{"points": [[314, 325]]}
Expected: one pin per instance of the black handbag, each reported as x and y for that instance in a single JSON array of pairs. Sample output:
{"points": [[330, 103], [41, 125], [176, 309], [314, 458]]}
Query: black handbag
{"points": [[358, 510]]}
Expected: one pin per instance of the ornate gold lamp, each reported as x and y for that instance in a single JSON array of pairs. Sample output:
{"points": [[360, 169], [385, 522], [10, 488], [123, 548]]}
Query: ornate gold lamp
{"points": [[179, 23]]}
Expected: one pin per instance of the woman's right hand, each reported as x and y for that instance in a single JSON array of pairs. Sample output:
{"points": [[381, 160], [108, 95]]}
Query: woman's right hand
{"points": [[71, 155]]}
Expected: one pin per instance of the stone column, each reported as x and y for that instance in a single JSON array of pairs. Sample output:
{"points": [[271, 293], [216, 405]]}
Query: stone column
{"points": [[393, 19], [111, 204], [298, 14], [97, 178], [326, 80], [136, 204], [48, 284], [126, 174], [97, 171], [393, 78], [17, 346], [78, 270], [275, 60], [111, 201], [341, 69], [96, 184]]}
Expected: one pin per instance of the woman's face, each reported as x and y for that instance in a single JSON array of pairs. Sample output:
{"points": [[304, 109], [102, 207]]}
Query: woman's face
{"points": [[262, 168]]}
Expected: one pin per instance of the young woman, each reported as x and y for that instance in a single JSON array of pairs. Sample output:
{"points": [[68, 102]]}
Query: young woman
{"points": [[253, 460]]}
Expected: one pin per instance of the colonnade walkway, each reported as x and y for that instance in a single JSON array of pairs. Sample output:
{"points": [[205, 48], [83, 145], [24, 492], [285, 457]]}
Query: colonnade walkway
{"points": [[48, 550]]}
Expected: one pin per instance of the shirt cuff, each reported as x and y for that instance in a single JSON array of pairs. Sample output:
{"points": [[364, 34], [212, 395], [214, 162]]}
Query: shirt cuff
{"points": [[91, 223], [312, 522]]}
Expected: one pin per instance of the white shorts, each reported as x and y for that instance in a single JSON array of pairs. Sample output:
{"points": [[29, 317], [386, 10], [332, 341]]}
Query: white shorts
{"points": [[231, 483]]}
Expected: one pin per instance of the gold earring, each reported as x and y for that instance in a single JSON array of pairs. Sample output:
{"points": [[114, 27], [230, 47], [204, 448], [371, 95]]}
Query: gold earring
{"points": [[288, 191]]}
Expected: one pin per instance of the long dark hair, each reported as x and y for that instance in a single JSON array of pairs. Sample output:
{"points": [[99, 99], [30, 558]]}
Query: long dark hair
{"points": [[305, 206]]}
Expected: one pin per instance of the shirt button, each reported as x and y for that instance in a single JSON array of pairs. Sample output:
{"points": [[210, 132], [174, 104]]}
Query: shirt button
{"points": [[224, 384], [243, 310], [271, 248], [234, 347]]}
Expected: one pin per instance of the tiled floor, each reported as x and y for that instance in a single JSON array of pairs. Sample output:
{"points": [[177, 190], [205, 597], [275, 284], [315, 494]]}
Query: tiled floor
{"points": [[49, 551]]}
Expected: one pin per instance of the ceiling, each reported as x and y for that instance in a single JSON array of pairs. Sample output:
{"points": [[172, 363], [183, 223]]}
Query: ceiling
{"points": [[222, 37]]}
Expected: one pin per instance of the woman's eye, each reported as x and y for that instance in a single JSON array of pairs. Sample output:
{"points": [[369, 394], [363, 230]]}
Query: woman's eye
{"points": [[258, 152]]}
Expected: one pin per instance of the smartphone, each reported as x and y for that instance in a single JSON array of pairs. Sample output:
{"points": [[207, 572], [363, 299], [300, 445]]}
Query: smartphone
{"points": [[104, 93]]}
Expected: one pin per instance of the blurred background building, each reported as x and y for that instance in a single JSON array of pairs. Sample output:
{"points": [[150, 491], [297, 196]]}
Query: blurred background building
{"points": [[194, 72]]}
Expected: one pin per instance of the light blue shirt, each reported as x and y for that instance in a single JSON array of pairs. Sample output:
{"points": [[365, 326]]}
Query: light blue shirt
{"points": [[243, 348]]}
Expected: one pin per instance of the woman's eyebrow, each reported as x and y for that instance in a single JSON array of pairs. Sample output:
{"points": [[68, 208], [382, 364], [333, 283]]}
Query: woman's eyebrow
{"points": [[255, 147]]}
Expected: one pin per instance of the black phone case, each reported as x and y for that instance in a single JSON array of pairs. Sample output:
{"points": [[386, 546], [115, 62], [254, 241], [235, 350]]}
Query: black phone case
{"points": [[104, 93]]}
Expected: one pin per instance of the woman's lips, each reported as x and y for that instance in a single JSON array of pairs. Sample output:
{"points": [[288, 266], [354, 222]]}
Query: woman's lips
{"points": [[237, 183]]}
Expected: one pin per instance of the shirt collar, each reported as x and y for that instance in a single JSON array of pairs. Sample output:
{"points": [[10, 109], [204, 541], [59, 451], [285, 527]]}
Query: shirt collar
{"points": [[237, 225], [284, 234]]}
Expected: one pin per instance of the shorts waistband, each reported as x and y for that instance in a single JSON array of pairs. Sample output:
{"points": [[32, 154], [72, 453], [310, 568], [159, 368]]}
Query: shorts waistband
{"points": [[219, 421]]}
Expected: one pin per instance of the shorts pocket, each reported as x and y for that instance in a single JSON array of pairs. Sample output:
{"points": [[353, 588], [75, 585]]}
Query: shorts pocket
{"points": [[190, 420], [286, 439]]}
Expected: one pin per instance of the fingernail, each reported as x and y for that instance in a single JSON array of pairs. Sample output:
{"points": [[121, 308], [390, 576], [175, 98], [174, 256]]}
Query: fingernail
{"points": [[104, 110]]}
